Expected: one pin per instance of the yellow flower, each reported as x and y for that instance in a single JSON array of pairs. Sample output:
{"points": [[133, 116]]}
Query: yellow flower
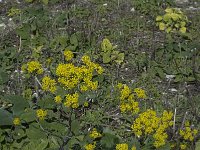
{"points": [[41, 114], [125, 92], [72, 100], [34, 67], [16, 121], [133, 148], [58, 99], [86, 59], [68, 55], [183, 146], [122, 146], [188, 133], [140, 93], [149, 123], [48, 84], [94, 134], [86, 104], [90, 146], [119, 85], [83, 88]]}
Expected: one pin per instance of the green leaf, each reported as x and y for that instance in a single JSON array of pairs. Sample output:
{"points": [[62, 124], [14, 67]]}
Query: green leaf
{"points": [[28, 116], [162, 26], [5, 117], [120, 58], [106, 57], [109, 140], [40, 144], [74, 40], [29, 1], [19, 103], [3, 77], [197, 147], [158, 18], [75, 126], [45, 2], [34, 132], [106, 46], [72, 142], [18, 134]]}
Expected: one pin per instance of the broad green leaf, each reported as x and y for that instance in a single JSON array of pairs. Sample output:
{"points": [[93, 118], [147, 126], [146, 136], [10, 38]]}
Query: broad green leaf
{"points": [[169, 10], [183, 23], [18, 134], [45, 2], [74, 40], [28, 116], [158, 18], [5, 117], [120, 58], [183, 30], [75, 126], [71, 142], [106, 46], [106, 57], [162, 26], [197, 147], [109, 140], [29, 1], [175, 16], [167, 17], [39, 144], [3, 77], [19, 103], [35, 132], [169, 29]]}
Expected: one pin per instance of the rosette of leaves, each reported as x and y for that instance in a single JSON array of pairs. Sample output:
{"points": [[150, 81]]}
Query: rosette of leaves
{"points": [[43, 1], [172, 21], [151, 7], [110, 54]]}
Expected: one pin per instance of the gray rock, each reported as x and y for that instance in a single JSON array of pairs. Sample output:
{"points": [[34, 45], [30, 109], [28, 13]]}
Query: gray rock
{"points": [[181, 1]]}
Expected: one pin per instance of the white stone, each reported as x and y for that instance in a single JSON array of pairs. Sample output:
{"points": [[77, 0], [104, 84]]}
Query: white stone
{"points": [[132, 9], [182, 1]]}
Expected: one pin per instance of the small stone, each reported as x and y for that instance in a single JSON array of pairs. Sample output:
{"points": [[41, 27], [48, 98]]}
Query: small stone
{"points": [[182, 1]]}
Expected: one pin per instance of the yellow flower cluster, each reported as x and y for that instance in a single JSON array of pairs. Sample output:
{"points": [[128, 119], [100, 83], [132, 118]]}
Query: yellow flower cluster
{"points": [[188, 133], [41, 114], [122, 146], [48, 84], [133, 148], [14, 11], [148, 123], [160, 135], [86, 104], [68, 55], [72, 100], [90, 146], [58, 99], [32, 67], [70, 75], [140, 93], [16, 121], [173, 20], [127, 102], [183, 146], [95, 134]]}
